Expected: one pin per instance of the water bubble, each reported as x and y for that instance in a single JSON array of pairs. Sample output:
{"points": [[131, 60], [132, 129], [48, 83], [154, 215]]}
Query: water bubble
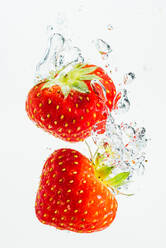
{"points": [[58, 54], [141, 132], [109, 27], [123, 103], [103, 48], [129, 131], [70, 55], [50, 30], [58, 42], [49, 60], [129, 77]]}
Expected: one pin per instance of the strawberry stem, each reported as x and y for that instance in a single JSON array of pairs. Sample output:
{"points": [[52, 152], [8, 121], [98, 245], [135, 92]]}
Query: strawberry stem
{"points": [[125, 194], [96, 151], [91, 155], [115, 191]]}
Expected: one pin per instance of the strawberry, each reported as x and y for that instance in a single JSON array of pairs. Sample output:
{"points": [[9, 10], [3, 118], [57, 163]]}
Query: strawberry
{"points": [[72, 197], [67, 105]]}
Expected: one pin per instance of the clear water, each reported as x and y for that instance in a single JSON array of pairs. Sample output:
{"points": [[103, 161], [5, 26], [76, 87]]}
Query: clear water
{"points": [[59, 53], [103, 48], [127, 141]]}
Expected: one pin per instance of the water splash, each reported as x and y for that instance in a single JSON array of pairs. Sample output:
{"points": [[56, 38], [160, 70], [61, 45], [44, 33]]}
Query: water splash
{"points": [[121, 102], [126, 141], [49, 60], [59, 53]]}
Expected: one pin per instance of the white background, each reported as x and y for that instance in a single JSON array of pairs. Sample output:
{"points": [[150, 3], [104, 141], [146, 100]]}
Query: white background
{"points": [[138, 40]]}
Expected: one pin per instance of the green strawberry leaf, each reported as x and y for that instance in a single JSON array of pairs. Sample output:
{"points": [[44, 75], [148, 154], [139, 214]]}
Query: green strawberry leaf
{"points": [[89, 77], [118, 180], [79, 66], [103, 172], [80, 86], [87, 70], [50, 83]]}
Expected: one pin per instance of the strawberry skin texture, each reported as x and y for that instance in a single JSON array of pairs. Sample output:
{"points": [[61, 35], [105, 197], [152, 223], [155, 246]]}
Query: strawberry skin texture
{"points": [[70, 197], [71, 118]]}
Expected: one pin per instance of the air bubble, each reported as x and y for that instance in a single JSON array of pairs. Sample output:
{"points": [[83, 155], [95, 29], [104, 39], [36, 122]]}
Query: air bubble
{"points": [[103, 48], [128, 78], [109, 27], [50, 30], [123, 103]]}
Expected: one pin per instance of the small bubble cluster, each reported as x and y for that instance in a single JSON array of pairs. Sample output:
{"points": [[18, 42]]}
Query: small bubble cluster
{"points": [[126, 143]]}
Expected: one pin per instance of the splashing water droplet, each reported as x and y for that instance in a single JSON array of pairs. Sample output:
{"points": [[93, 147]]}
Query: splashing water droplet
{"points": [[121, 145], [58, 54], [48, 62], [128, 130], [70, 55], [109, 27], [129, 77], [50, 30], [103, 48], [122, 102], [124, 152]]}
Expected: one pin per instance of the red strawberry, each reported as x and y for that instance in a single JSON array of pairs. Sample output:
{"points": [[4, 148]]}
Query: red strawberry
{"points": [[71, 197], [67, 105]]}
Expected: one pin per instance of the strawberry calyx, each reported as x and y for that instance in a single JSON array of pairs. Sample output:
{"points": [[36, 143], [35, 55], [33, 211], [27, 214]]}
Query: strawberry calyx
{"points": [[104, 173], [104, 170], [118, 180], [74, 79]]}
